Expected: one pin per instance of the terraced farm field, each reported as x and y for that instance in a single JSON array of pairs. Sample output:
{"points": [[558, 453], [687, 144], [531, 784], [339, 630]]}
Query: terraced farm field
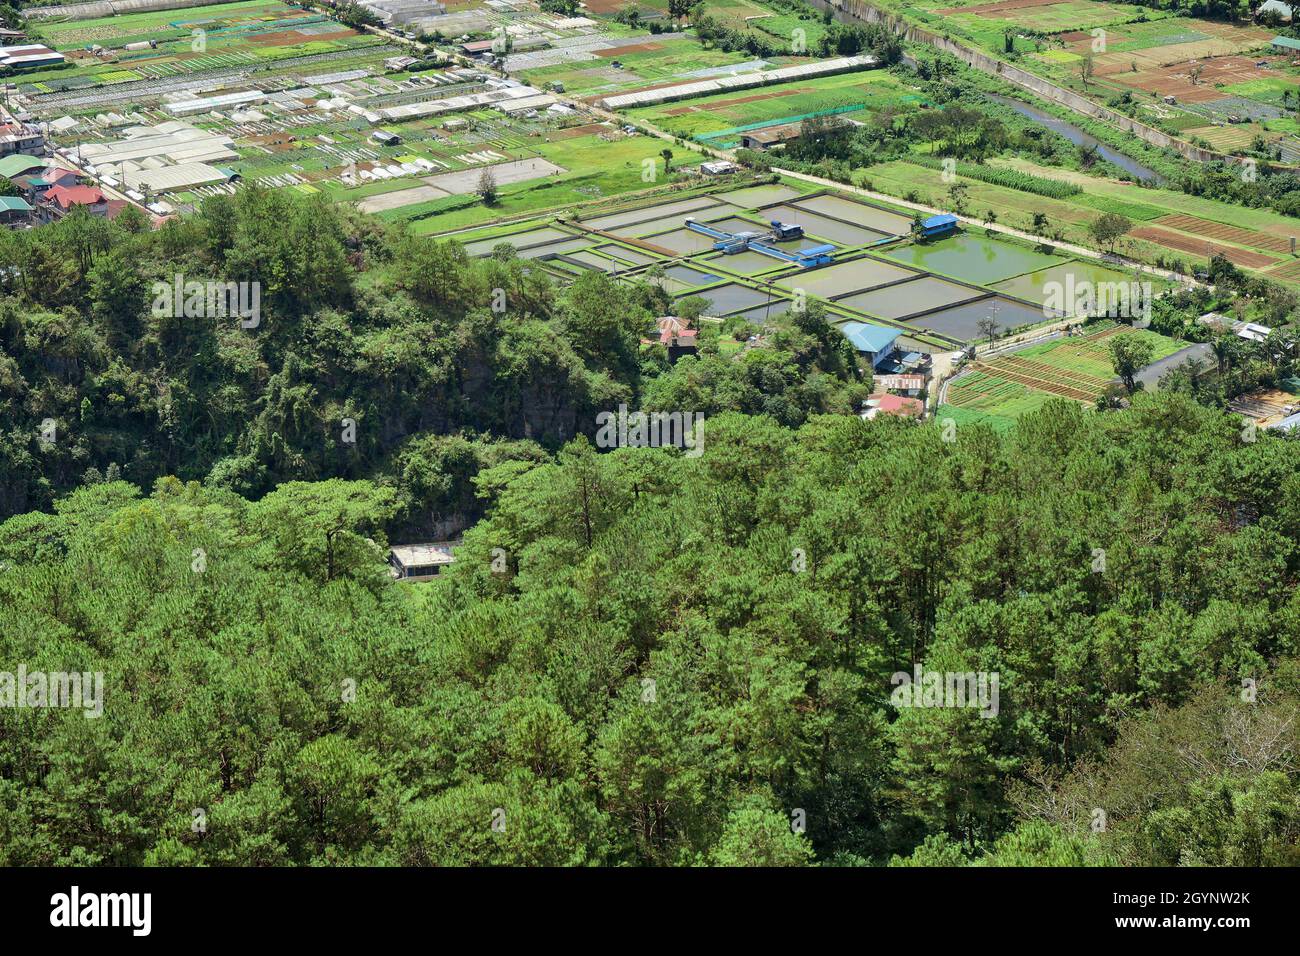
{"points": [[1076, 368]]}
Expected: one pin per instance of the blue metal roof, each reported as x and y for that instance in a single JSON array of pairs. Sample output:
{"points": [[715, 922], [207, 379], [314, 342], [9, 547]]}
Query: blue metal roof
{"points": [[943, 219], [869, 338]]}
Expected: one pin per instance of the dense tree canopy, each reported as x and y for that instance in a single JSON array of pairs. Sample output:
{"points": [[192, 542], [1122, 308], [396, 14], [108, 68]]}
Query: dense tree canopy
{"points": [[375, 354], [641, 657]]}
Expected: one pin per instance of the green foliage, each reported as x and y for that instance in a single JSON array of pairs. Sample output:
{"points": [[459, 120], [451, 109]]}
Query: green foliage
{"points": [[1010, 178], [679, 657], [376, 355]]}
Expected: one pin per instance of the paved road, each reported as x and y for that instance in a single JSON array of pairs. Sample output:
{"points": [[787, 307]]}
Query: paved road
{"points": [[1150, 376]]}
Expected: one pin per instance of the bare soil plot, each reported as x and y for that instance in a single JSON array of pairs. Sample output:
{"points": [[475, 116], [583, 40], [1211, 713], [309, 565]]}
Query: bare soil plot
{"points": [[465, 181], [1201, 247], [615, 52], [716, 105], [1218, 230], [401, 197]]}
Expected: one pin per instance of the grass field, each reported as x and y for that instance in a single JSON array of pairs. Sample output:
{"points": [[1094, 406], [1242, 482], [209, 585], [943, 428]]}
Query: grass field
{"points": [[595, 169]]}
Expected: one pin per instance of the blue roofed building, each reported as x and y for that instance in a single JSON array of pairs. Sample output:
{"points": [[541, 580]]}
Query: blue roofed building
{"points": [[939, 225], [873, 342]]}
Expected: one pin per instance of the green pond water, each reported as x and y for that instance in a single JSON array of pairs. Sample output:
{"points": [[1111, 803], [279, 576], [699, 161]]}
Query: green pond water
{"points": [[973, 258]]}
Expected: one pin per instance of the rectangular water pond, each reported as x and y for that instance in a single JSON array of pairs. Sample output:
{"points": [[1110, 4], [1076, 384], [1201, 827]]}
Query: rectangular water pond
{"points": [[844, 277], [589, 258], [909, 298], [973, 258], [861, 213], [763, 314], [1059, 280], [553, 248], [682, 207], [689, 276], [681, 242], [823, 227], [756, 196], [732, 297], [662, 223], [520, 240], [961, 322], [633, 256], [749, 263]]}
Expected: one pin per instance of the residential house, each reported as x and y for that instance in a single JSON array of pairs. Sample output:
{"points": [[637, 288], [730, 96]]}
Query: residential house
{"points": [[1251, 331], [936, 227], [58, 201], [676, 337], [19, 137], [901, 406]]}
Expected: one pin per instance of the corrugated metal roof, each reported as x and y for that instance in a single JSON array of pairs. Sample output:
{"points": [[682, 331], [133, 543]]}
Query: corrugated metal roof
{"points": [[18, 163], [869, 338]]}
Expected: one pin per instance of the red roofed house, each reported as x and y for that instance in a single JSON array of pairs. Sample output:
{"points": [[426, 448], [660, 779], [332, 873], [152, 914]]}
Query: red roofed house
{"points": [[900, 405], [58, 201], [676, 337]]}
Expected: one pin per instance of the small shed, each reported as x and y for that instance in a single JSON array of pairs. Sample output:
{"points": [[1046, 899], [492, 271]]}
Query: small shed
{"points": [[420, 562], [939, 225]]}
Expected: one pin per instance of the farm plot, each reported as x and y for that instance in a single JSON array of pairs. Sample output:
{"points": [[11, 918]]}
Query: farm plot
{"points": [[1226, 233], [1076, 368], [644, 67], [1203, 248], [720, 118], [187, 41]]}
